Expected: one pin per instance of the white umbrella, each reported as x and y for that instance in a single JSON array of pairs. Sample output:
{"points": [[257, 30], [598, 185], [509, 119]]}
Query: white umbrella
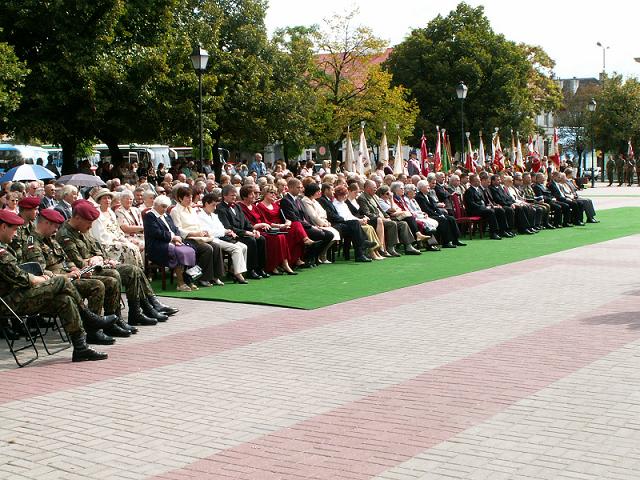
{"points": [[27, 172], [363, 153], [384, 147], [398, 164], [348, 154]]}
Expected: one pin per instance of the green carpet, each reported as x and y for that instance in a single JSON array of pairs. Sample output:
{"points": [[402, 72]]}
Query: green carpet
{"points": [[331, 284]]}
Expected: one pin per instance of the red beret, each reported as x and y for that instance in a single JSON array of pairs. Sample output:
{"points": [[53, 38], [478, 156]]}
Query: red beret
{"points": [[10, 218], [52, 215], [85, 209], [29, 202]]}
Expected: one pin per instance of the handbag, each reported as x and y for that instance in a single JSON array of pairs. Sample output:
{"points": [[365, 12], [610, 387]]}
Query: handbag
{"points": [[193, 273]]}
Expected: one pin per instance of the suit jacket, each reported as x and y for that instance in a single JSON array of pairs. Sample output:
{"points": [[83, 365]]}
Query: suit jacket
{"points": [[428, 205], [500, 197], [541, 191], [64, 209], [47, 202], [332, 214], [369, 207], [556, 191], [292, 210], [474, 200], [237, 221], [157, 237]]}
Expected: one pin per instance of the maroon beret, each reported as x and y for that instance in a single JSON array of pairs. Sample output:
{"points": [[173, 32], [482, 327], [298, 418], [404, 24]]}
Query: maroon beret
{"points": [[52, 215], [10, 218], [85, 209], [29, 202]]}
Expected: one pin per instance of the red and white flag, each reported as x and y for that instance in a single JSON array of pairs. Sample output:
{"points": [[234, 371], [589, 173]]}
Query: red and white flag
{"points": [[630, 150], [519, 157], [496, 150], [424, 156], [469, 164], [534, 155], [437, 156], [554, 154]]}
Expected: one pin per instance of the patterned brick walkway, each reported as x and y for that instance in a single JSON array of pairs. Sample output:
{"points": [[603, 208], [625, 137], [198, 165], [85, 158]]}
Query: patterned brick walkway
{"points": [[529, 370]]}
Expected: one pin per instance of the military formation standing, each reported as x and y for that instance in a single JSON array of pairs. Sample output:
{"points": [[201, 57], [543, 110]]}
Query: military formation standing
{"points": [[27, 294], [629, 168], [620, 169], [611, 166]]}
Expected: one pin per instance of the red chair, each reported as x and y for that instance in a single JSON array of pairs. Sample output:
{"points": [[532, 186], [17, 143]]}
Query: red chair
{"points": [[464, 221]]}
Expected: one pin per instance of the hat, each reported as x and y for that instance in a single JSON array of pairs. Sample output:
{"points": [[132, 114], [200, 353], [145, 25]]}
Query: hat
{"points": [[29, 202], [85, 209], [101, 193], [10, 218], [52, 215]]}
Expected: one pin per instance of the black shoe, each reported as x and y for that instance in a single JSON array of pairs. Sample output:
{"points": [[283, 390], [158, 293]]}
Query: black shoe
{"points": [[82, 352], [263, 274], [117, 331], [459, 244], [593, 220], [548, 226], [392, 252], [411, 250], [252, 275], [528, 231], [580, 224], [448, 245], [159, 307], [95, 322], [240, 281], [122, 324], [137, 317], [151, 312], [291, 272], [362, 259], [567, 225], [495, 236], [99, 338]]}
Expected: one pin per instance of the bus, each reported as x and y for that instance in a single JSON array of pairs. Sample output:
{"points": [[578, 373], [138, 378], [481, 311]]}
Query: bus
{"points": [[13, 155]]}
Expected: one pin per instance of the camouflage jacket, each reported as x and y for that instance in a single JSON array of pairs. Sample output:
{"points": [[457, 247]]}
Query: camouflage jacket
{"points": [[11, 275], [78, 246], [47, 252], [23, 234]]}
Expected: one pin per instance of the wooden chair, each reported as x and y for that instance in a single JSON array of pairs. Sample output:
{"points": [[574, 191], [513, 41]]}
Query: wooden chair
{"points": [[472, 223]]}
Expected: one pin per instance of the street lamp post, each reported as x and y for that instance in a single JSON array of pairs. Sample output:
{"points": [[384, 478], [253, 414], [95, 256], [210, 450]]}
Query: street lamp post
{"points": [[592, 108], [461, 92], [199, 60], [604, 74]]}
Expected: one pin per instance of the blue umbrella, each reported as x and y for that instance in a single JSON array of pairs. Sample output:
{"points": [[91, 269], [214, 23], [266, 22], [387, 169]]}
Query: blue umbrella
{"points": [[26, 172]]}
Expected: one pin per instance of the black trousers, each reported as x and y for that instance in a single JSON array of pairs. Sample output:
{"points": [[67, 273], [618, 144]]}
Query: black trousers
{"points": [[447, 230], [351, 229], [489, 215], [256, 252], [209, 258], [317, 234]]}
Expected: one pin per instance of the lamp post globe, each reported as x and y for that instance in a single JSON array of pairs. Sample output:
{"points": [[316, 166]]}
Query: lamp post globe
{"points": [[199, 59], [461, 92], [591, 106]]}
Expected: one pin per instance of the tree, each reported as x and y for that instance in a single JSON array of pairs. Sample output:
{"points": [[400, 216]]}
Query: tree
{"points": [[508, 83], [351, 88], [12, 74], [60, 42]]}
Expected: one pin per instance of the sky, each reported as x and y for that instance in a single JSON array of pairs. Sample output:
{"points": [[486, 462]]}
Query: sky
{"points": [[568, 30]]}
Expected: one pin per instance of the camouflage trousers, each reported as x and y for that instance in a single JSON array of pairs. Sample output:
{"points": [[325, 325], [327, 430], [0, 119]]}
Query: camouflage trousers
{"points": [[56, 296], [111, 293], [132, 278]]}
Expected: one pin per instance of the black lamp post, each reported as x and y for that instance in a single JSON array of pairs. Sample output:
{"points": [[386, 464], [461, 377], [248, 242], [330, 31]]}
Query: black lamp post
{"points": [[461, 92], [592, 108], [199, 59]]}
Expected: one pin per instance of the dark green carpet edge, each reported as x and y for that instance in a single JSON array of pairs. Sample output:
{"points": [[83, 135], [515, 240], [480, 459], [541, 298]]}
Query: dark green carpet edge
{"points": [[343, 281]]}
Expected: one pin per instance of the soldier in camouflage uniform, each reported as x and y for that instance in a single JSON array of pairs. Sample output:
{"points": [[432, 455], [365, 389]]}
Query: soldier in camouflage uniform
{"points": [[28, 212], [629, 167], [83, 250], [30, 294], [43, 248], [620, 169], [611, 166]]}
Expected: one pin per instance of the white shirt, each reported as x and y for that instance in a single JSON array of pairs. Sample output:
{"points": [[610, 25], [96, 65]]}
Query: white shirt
{"points": [[343, 210], [212, 224]]}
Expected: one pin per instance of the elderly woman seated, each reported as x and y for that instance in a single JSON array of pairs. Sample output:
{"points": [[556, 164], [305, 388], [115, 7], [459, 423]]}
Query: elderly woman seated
{"points": [[107, 232], [130, 219], [208, 253], [164, 243]]}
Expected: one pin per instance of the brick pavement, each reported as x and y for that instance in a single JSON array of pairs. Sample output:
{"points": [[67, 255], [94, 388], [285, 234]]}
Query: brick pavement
{"points": [[440, 380]]}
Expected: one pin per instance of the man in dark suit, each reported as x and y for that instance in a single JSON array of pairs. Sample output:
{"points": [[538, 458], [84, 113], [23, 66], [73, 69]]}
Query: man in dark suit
{"points": [[505, 217], [475, 205], [291, 209], [69, 195], [447, 230], [233, 218], [49, 198], [522, 221], [557, 191], [393, 231], [561, 211], [348, 228], [444, 192]]}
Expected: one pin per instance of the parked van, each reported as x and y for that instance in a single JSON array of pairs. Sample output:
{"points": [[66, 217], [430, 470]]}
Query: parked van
{"points": [[12, 155]]}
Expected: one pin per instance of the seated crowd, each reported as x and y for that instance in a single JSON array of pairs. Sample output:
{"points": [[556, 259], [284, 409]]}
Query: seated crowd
{"points": [[251, 223]]}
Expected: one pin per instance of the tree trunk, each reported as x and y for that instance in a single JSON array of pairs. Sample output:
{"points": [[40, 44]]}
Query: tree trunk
{"points": [[69, 150], [114, 151], [334, 149], [285, 153]]}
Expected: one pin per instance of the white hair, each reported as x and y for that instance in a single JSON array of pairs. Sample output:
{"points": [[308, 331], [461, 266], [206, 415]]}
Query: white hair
{"points": [[161, 200]]}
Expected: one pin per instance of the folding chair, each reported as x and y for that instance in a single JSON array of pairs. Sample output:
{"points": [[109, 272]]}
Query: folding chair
{"points": [[29, 341]]}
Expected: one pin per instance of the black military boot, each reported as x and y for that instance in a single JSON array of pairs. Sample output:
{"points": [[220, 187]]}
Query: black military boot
{"points": [[159, 307], [151, 312], [98, 337], [82, 352], [116, 330], [136, 317], [96, 322]]}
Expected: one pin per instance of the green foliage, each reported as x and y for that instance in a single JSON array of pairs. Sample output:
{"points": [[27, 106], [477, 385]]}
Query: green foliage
{"points": [[350, 89], [617, 116], [508, 83], [12, 74]]}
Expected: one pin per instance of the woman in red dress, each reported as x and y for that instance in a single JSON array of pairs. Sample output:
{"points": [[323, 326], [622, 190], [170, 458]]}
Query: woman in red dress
{"points": [[277, 249]]}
